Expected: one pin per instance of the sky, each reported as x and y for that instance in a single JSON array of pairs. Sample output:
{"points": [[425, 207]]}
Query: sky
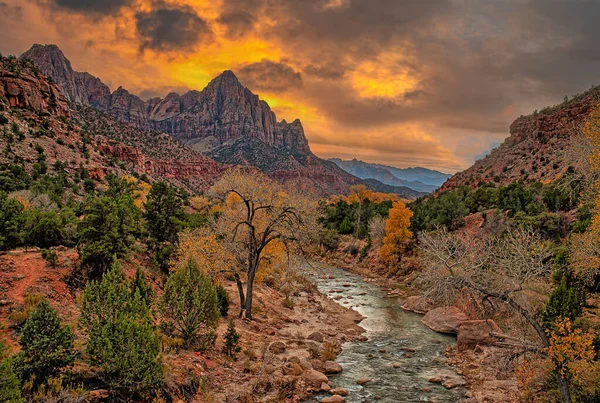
{"points": [[433, 83]]}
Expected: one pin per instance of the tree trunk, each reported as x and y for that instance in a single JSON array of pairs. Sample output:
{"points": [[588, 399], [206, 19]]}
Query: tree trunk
{"points": [[563, 385], [240, 288], [249, 287]]}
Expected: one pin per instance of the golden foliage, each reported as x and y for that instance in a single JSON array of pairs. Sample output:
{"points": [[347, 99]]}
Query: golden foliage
{"points": [[204, 247], [359, 193], [585, 248], [200, 203], [397, 232], [571, 351], [591, 130]]}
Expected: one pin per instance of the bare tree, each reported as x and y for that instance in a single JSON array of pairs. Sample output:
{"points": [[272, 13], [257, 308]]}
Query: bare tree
{"points": [[510, 269], [377, 229], [260, 212]]}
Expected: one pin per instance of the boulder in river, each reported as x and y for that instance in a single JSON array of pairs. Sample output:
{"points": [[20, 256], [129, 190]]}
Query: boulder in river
{"points": [[472, 333], [445, 319], [339, 391], [363, 381], [417, 304], [332, 367], [314, 378]]}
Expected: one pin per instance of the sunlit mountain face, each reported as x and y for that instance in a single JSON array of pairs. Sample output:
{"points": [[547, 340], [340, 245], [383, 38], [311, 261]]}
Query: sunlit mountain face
{"points": [[431, 83]]}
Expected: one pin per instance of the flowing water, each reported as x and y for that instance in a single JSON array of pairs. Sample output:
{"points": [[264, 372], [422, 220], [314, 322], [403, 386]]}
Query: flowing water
{"points": [[395, 337]]}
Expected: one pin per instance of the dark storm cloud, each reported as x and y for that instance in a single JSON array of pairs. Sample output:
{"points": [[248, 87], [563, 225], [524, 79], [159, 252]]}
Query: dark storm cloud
{"points": [[94, 7], [270, 76], [171, 29], [238, 23]]}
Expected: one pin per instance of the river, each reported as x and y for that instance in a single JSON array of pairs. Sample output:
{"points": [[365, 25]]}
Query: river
{"points": [[394, 337]]}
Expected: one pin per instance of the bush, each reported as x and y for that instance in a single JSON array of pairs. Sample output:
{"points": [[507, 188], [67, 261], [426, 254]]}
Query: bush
{"points": [[11, 220], [10, 387], [222, 300], [51, 257], [189, 303], [46, 346], [20, 316], [287, 302], [107, 229], [3, 119], [122, 340], [231, 337]]}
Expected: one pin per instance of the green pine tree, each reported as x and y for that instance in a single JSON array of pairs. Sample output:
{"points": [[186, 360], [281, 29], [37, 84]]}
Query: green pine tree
{"points": [[164, 216], [46, 346], [566, 301], [122, 341], [189, 303], [232, 338], [222, 300], [10, 388], [107, 230]]}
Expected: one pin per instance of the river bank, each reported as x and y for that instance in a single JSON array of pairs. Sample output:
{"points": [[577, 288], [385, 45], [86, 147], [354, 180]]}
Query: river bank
{"points": [[488, 373]]}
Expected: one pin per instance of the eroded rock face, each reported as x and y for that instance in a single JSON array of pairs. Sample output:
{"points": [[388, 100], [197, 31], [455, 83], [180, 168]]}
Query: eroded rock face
{"points": [[445, 319], [237, 127], [25, 90]]}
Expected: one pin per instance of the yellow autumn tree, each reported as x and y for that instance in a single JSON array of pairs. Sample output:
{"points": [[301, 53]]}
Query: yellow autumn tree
{"points": [[396, 233], [585, 247]]}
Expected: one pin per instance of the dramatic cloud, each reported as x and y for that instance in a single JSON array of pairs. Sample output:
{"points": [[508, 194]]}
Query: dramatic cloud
{"points": [[171, 29], [238, 23], [430, 82], [98, 7], [269, 76]]}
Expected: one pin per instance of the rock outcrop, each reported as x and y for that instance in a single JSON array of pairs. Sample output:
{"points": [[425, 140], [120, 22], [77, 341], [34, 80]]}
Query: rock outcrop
{"points": [[446, 319], [472, 333], [225, 109], [23, 89]]}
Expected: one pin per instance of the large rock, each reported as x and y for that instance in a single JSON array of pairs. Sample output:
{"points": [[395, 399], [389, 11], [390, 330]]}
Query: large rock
{"points": [[332, 367], [314, 378], [445, 319], [417, 304], [472, 333]]}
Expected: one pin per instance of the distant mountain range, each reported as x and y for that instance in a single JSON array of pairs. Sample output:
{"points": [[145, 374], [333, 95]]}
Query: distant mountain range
{"points": [[225, 124], [419, 179]]}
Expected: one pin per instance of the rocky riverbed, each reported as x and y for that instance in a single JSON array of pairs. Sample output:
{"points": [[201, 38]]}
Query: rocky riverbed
{"points": [[401, 360]]}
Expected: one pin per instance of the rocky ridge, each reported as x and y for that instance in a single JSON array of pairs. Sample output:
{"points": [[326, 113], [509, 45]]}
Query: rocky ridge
{"points": [[225, 109], [225, 121], [35, 110], [537, 149]]}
